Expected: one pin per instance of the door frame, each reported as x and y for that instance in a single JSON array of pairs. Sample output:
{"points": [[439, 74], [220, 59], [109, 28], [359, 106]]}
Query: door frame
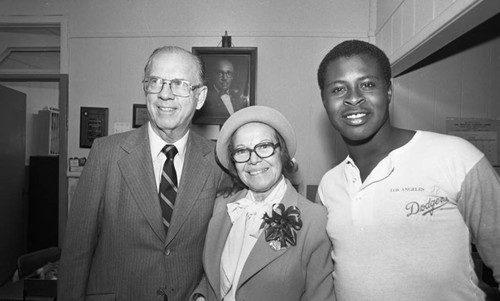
{"points": [[62, 79]]}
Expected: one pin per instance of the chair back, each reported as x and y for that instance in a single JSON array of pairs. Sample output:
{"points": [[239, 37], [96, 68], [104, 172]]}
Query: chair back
{"points": [[28, 263]]}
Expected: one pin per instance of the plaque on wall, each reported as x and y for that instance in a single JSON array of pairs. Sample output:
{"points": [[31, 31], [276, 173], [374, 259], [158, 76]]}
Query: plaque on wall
{"points": [[481, 132], [93, 124], [139, 115]]}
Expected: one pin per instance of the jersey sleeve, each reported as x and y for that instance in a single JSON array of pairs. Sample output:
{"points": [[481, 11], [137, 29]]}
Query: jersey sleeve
{"points": [[479, 204]]}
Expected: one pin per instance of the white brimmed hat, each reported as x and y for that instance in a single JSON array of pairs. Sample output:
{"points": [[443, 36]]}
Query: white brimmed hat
{"points": [[262, 114]]}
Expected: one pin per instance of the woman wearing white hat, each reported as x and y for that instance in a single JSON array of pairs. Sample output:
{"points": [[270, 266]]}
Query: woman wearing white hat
{"points": [[266, 242]]}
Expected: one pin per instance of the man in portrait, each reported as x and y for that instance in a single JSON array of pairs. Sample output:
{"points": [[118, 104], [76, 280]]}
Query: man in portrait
{"points": [[224, 97]]}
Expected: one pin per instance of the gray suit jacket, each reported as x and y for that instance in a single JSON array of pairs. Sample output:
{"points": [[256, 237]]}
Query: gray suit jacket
{"points": [[301, 272], [115, 246]]}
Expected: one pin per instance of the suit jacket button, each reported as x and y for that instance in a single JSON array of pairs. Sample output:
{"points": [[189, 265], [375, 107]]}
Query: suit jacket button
{"points": [[160, 292], [167, 252]]}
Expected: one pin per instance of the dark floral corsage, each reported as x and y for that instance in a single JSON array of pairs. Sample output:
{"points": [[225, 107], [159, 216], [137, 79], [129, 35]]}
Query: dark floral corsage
{"points": [[282, 226]]}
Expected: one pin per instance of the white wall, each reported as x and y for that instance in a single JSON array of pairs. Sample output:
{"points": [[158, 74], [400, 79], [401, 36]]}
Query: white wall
{"points": [[112, 40], [109, 43], [462, 85], [23, 8]]}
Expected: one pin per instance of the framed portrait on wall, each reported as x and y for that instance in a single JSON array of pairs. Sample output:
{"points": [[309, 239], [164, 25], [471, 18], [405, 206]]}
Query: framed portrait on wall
{"points": [[230, 77]]}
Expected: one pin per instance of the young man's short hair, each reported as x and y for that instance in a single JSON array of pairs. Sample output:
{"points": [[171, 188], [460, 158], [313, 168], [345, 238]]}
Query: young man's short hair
{"points": [[351, 48]]}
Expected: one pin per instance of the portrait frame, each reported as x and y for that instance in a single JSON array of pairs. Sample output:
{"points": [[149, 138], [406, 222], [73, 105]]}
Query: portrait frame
{"points": [[139, 115], [243, 85]]}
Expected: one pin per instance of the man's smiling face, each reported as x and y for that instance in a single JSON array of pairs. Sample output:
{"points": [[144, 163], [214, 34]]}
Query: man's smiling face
{"points": [[356, 97]]}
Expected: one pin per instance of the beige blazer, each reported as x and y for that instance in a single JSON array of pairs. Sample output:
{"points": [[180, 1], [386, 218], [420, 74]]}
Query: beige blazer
{"points": [[115, 246], [301, 272]]}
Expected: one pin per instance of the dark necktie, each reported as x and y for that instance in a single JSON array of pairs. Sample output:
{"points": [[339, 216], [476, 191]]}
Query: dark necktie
{"points": [[168, 185]]}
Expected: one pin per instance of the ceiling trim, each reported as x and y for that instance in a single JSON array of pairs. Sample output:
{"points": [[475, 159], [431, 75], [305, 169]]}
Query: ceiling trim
{"points": [[477, 15], [44, 21], [9, 50]]}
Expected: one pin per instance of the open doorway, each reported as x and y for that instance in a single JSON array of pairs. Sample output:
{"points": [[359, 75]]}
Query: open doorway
{"points": [[30, 59], [62, 83], [12, 134]]}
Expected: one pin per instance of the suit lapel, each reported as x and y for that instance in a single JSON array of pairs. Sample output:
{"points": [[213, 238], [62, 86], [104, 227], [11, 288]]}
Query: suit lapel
{"points": [[217, 233], [262, 254], [137, 170], [196, 171]]}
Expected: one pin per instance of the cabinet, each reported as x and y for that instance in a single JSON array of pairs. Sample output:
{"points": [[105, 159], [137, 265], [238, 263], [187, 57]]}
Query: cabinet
{"points": [[47, 132], [43, 204]]}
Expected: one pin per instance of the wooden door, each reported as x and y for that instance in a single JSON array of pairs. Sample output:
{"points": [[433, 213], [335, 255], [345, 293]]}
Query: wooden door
{"points": [[12, 173]]}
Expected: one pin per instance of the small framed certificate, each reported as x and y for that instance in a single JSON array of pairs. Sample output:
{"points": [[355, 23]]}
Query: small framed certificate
{"points": [[93, 124], [139, 115]]}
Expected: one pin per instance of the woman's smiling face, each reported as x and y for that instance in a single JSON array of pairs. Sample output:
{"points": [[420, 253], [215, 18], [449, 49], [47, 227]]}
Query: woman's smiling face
{"points": [[259, 175]]}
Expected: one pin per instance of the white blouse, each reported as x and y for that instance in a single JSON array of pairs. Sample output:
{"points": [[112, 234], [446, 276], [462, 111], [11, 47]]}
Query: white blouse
{"points": [[246, 216]]}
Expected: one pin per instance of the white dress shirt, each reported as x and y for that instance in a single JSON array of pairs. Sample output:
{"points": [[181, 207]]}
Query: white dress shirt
{"points": [[158, 157]]}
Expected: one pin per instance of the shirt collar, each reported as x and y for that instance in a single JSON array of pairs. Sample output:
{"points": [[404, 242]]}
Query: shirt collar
{"points": [[156, 143], [381, 171], [275, 196], [220, 91]]}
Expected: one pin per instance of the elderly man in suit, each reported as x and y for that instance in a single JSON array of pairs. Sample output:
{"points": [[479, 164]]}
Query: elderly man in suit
{"points": [[136, 227]]}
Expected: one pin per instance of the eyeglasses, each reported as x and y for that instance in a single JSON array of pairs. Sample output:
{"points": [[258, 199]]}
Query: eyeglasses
{"points": [[179, 87], [228, 74], [262, 150]]}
